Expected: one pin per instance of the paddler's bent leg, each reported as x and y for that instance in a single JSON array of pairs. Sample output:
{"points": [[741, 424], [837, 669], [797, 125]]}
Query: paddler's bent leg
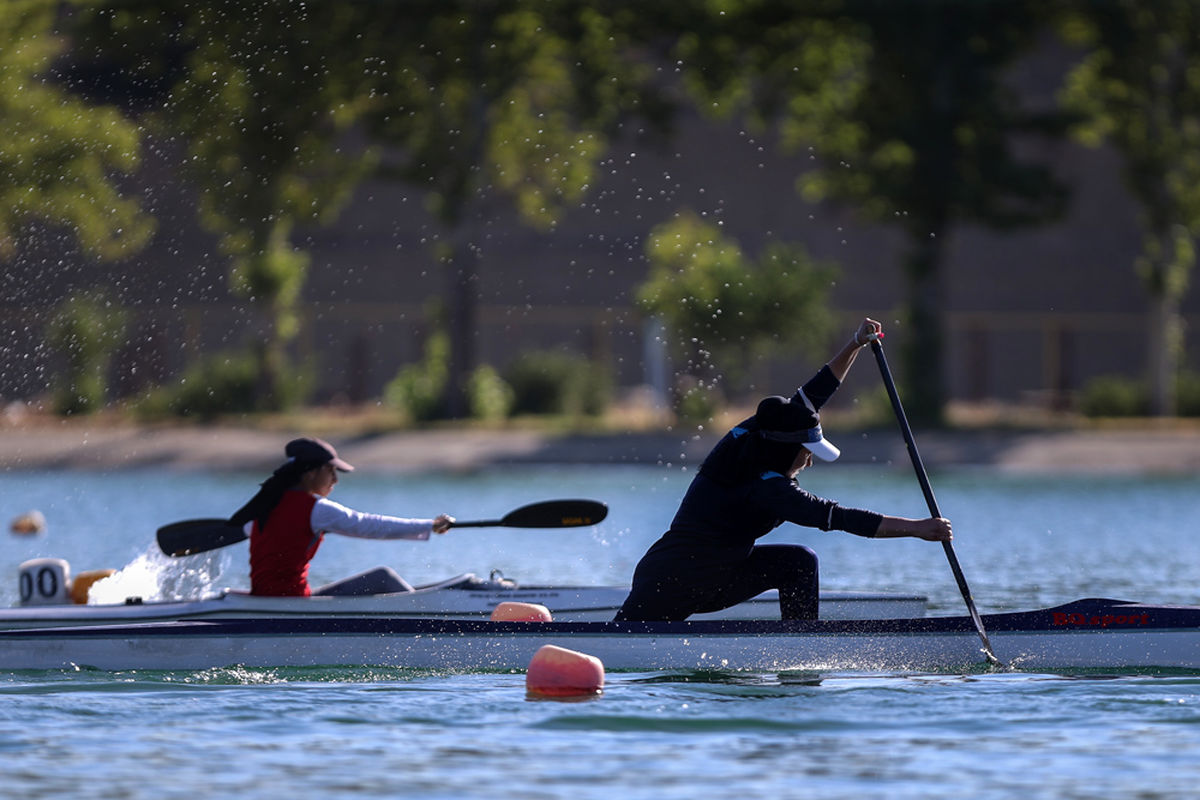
{"points": [[799, 592], [790, 568], [657, 598]]}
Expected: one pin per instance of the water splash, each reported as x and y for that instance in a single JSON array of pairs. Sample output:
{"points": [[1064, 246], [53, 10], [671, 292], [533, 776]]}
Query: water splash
{"points": [[153, 577]]}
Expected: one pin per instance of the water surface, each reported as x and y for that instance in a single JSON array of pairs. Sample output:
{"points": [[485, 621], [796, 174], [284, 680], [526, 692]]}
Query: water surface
{"points": [[1023, 542]]}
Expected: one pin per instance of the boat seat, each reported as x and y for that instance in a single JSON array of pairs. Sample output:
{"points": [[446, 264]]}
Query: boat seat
{"points": [[381, 580], [467, 580]]}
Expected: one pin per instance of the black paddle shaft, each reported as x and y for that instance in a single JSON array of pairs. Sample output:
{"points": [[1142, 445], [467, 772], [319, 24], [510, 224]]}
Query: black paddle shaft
{"points": [[930, 500]]}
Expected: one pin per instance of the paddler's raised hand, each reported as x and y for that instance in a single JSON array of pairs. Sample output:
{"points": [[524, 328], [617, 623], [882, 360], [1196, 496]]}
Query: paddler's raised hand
{"points": [[442, 523], [866, 331], [933, 529]]}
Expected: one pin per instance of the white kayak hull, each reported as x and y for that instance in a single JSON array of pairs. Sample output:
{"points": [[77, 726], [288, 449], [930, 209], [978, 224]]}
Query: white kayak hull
{"points": [[1087, 634], [464, 597]]}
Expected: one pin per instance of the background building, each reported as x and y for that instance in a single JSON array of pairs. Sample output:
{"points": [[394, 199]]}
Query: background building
{"points": [[1031, 316]]}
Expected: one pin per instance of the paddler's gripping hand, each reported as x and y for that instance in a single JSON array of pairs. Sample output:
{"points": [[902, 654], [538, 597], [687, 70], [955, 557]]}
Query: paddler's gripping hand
{"points": [[933, 529], [868, 331], [442, 523]]}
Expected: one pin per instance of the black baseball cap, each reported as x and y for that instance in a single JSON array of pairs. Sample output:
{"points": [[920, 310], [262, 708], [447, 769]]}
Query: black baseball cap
{"points": [[782, 420], [315, 452]]}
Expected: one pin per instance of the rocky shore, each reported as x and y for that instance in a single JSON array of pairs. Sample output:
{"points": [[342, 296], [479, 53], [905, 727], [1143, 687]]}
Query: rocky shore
{"points": [[1127, 450]]}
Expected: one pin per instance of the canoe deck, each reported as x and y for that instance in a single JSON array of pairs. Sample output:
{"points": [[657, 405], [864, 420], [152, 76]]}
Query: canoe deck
{"points": [[462, 597]]}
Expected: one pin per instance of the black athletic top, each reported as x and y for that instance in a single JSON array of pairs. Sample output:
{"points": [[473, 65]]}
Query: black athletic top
{"points": [[729, 508]]}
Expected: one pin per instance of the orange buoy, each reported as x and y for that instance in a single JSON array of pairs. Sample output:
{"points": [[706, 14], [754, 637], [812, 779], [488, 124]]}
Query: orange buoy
{"points": [[30, 523], [558, 672], [510, 611], [83, 584]]}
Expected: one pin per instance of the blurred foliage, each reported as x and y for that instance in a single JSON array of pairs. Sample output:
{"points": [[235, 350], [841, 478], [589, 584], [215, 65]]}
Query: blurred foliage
{"points": [[558, 383], [1137, 88], [722, 310], [258, 95], [59, 154], [417, 388], [475, 101], [1188, 394], [508, 102], [86, 329], [872, 408], [490, 395], [695, 402], [222, 384], [517, 96], [907, 110], [276, 112], [1121, 396], [1114, 396]]}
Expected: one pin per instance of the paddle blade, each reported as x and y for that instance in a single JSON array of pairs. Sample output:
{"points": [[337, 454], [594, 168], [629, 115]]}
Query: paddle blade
{"points": [[556, 514], [198, 536]]}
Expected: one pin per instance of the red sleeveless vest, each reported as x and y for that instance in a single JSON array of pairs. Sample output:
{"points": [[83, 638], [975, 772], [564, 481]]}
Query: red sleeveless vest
{"points": [[280, 550]]}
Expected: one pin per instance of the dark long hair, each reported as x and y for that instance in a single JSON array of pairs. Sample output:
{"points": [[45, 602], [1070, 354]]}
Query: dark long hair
{"points": [[271, 492]]}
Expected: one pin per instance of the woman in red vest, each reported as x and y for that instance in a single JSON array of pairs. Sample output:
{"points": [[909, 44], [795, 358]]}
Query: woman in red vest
{"points": [[291, 514]]}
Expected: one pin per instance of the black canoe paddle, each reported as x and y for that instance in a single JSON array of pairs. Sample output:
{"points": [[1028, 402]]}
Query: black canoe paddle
{"points": [[201, 535], [923, 479]]}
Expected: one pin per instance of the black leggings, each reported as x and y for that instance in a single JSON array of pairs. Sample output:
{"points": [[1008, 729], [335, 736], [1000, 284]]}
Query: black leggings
{"points": [[666, 592]]}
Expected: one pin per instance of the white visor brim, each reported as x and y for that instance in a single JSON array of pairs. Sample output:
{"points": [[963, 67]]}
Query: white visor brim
{"points": [[823, 450]]}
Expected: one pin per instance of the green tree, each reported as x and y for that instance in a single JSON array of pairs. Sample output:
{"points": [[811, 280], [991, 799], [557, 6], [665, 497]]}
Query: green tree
{"points": [[496, 102], [1138, 88], [260, 95], [478, 102], [907, 108], [58, 153], [86, 329], [723, 310]]}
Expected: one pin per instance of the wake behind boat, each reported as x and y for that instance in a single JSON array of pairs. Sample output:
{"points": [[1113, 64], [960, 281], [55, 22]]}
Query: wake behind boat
{"points": [[1086, 634]]}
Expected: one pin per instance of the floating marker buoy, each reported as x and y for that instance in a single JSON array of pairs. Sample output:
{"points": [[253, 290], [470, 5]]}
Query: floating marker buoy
{"points": [[510, 611], [83, 584], [558, 672], [29, 523]]}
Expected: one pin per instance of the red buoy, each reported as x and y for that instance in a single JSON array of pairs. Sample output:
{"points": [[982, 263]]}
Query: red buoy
{"points": [[511, 611], [558, 672]]}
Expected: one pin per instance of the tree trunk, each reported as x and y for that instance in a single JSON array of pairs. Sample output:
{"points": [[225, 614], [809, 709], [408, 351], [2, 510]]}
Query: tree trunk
{"points": [[922, 353], [461, 318], [1164, 340]]}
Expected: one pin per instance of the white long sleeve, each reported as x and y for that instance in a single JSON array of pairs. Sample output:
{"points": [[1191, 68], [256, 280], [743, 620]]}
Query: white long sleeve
{"points": [[330, 517]]}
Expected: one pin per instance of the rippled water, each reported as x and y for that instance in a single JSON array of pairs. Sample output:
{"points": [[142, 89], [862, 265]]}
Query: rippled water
{"points": [[1022, 542], [395, 733]]}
